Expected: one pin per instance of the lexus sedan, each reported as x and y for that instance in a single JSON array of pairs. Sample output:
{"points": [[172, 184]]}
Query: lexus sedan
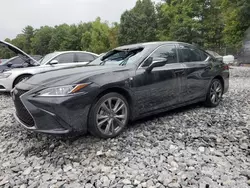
{"points": [[52, 61], [125, 84]]}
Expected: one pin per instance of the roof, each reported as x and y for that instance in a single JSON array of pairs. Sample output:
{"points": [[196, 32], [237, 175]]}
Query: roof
{"points": [[150, 44], [62, 52]]}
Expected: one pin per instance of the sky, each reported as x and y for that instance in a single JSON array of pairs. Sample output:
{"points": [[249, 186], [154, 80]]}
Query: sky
{"points": [[16, 14]]}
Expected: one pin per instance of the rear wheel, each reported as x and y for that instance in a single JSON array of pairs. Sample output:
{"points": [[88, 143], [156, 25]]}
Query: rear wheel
{"points": [[20, 79], [214, 94], [109, 116]]}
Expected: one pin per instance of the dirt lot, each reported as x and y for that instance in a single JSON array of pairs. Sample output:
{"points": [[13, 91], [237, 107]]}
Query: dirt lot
{"points": [[194, 147]]}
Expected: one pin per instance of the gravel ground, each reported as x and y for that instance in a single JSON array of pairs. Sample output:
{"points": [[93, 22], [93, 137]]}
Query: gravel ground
{"points": [[194, 147]]}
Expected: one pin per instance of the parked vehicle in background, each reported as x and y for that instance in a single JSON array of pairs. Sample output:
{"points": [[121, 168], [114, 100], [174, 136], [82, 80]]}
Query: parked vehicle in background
{"points": [[228, 59], [66, 58], [16, 62], [127, 83], [243, 58], [3, 60], [56, 60]]}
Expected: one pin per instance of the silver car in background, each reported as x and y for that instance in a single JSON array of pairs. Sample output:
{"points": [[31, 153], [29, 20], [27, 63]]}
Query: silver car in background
{"points": [[52, 61]]}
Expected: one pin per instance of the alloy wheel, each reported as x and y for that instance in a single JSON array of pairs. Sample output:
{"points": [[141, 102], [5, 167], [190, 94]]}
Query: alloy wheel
{"points": [[216, 92], [111, 116]]}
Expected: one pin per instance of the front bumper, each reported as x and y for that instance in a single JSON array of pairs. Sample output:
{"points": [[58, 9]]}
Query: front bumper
{"points": [[55, 115], [51, 131], [5, 85]]}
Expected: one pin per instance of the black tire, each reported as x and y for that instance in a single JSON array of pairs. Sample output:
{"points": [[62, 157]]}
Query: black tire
{"points": [[115, 123], [21, 78], [214, 93]]}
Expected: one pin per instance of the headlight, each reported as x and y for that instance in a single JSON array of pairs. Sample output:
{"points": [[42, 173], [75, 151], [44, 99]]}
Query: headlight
{"points": [[4, 75], [62, 90]]}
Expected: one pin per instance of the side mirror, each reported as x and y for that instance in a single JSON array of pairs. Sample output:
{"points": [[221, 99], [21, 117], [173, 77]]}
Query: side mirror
{"points": [[54, 62], [9, 64], [159, 62]]}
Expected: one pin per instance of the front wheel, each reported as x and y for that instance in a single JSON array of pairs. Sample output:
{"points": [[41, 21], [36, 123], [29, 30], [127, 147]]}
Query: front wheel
{"points": [[109, 116], [214, 94], [20, 79]]}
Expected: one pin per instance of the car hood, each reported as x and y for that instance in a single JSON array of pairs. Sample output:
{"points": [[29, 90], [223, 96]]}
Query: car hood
{"points": [[19, 52], [71, 75]]}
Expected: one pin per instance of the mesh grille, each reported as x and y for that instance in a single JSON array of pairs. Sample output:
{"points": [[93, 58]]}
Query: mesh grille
{"points": [[21, 111]]}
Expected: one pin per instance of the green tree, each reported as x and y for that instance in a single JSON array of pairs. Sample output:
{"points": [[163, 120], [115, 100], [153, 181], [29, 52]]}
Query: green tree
{"points": [[19, 41], [5, 53], [138, 24], [28, 33], [236, 16], [97, 38], [179, 20], [60, 38], [192, 21], [113, 35], [41, 40]]}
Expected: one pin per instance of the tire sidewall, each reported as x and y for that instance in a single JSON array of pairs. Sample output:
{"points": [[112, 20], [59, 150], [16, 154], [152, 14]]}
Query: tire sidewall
{"points": [[92, 125], [208, 102]]}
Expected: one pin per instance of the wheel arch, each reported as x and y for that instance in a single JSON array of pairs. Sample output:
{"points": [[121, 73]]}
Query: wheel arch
{"points": [[126, 94], [21, 75], [219, 77]]}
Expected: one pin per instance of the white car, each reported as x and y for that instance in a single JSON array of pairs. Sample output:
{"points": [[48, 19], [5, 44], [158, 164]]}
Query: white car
{"points": [[52, 61], [228, 59]]}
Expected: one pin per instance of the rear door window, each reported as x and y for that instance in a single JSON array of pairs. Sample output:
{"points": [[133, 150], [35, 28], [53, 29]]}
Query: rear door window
{"points": [[65, 58], [189, 54]]}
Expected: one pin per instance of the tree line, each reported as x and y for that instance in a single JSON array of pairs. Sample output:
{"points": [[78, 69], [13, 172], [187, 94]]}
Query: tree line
{"points": [[211, 24]]}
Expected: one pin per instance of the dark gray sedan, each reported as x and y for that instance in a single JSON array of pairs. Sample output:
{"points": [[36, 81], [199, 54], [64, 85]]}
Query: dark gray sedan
{"points": [[127, 83]]}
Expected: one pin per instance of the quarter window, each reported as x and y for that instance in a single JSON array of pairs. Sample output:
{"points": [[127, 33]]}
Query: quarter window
{"points": [[65, 58], [84, 57], [204, 56]]}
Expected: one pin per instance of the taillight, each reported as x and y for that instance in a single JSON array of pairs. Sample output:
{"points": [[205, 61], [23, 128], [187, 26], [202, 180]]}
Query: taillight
{"points": [[226, 67]]}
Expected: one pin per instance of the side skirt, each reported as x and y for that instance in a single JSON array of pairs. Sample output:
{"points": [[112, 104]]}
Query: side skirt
{"points": [[169, 108]]}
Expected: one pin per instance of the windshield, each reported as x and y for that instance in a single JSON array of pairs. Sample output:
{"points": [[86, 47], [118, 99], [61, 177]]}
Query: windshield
{"points": [[119, 57], [46, 58]]}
